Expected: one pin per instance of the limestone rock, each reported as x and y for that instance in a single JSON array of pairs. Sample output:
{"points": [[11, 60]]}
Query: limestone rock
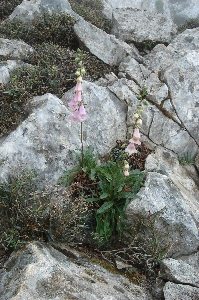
{"points": [[187, 181], [27, 11], [110, 5], [14, 49], [105, 46], [182, 80], [178, 11], [161, 57], [134, 25], [179, 271], [174, 291], [161, 195], [41, 272]]}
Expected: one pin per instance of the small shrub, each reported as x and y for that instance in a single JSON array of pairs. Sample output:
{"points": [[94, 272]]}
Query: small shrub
{"points": [[56, 28], [7, 7], [27, 213]]}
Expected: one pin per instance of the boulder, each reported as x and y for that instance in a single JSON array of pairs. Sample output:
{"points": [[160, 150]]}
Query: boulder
{"points": [[135, 25], [41, 272], [173, 291], [27, 11], [182, 81], [44, 141], [162, 57], [178, 11], [14, 49], [161, 196], [105, 46], [179, 271]]}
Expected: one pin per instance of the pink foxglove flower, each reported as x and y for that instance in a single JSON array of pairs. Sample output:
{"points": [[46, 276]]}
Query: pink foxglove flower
{"points": [[75, 117], [136, 137], [82, 113], [73, 104], [78, 87], [126, 173], [78, 96], [130, 149]]}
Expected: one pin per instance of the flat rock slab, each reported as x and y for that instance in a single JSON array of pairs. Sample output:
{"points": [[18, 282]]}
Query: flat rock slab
{"points": [[174, 291], [41, 272], [135, 25], [105, 46]]}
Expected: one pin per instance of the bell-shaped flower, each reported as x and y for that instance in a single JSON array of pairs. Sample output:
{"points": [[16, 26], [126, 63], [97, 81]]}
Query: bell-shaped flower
{"points": [[136, 137], [82, 113], [130, 149], [73, 104], [126, 173], [75, 117], [78, 96], [78, 87]]}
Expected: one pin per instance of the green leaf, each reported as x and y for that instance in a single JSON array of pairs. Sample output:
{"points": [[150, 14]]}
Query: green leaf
{"points": [[104, 195], [105, 207], [91, 199]]}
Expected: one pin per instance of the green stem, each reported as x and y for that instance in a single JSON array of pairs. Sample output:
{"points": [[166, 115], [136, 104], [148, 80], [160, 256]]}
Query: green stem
{"points": [[82, 148]]}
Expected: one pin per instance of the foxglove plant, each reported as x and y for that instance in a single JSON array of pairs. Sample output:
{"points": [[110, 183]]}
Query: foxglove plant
{"points": [[76, 105], [131, 149]]}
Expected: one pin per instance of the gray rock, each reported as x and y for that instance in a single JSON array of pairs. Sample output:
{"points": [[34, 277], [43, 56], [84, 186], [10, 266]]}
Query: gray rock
{"points": [[44, 141], [41, 272], [174, 291], [161, 57], [166, 162], [178, 11], [27, 11], [105, 46], [14, 49], [179, 271], [161, 195], [134, 25], [110, 5], [182, 80]]}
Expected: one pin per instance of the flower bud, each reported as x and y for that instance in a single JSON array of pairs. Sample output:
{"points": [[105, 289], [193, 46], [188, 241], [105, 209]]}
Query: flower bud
{"points": [[83, 71], [77, 73], [79, 79], [139, 122], [136, 116]]}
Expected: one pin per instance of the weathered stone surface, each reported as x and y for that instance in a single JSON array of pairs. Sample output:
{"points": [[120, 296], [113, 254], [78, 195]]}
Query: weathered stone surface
{"points": [[178, 11], [174, 291], [27, 11], [14, 49], [110, 5], [161, 57], [134, 25], [179, 271], [185, 179], [105, 46], [41, 272], [182, 80], [161, 195], [45, 139]]}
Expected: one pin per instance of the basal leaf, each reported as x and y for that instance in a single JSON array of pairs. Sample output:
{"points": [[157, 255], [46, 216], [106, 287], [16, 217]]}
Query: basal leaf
{"points": [[105, 207]]}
